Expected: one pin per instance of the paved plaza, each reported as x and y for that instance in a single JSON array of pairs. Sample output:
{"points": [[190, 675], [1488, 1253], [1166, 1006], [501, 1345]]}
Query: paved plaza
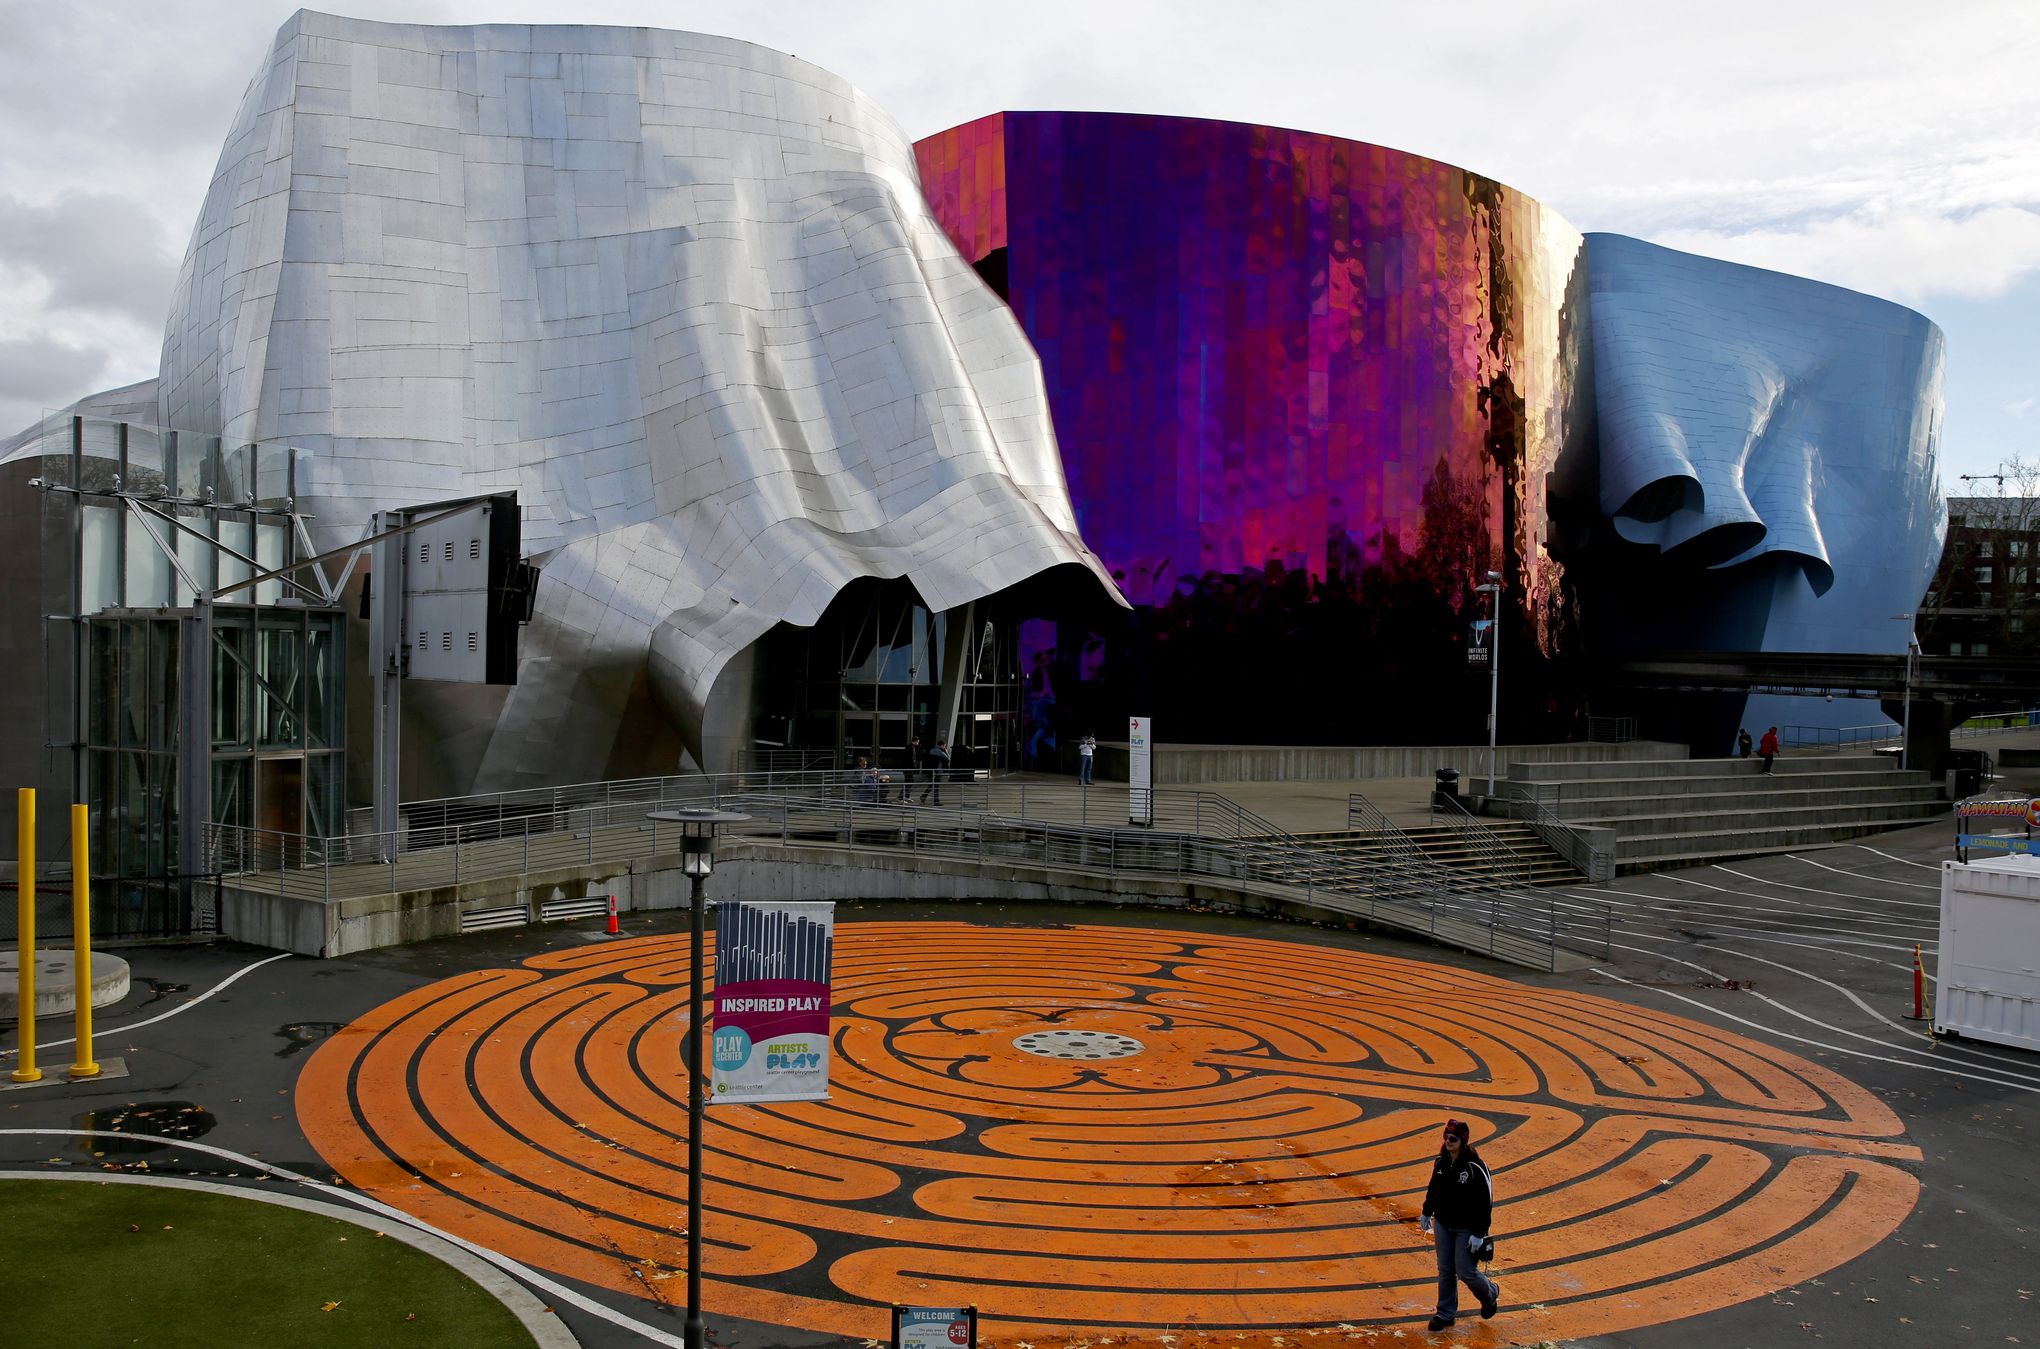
{"points": [[1151, 1126]]}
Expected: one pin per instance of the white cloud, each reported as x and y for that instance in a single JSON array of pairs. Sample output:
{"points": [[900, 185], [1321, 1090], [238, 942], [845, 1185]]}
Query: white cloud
{"points": [[92, 251], [1886, 145], [1905, 255]]}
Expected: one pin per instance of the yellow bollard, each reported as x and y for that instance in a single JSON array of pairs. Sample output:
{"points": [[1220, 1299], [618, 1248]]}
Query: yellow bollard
{"points": [[81, 939], [24, 804]]}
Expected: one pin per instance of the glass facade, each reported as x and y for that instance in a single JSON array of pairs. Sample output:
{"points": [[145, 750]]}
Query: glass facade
{"points": [[136, 523], [278, 728]]}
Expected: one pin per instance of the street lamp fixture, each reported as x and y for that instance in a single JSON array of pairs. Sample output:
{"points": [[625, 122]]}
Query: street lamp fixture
{"points": [[1493, 590], [698, 828]]}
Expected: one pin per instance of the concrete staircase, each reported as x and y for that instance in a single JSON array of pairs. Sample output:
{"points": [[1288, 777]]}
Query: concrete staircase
{"points": [[1701, 810], [1464, 863]]}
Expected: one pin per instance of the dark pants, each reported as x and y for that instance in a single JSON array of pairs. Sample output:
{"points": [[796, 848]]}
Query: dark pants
{"points": [[1456, 1265], [1767, 761]]}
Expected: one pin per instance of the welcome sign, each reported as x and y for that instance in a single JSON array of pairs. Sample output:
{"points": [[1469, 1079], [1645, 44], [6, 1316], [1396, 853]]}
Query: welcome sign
{"points": [[771, 1038]]}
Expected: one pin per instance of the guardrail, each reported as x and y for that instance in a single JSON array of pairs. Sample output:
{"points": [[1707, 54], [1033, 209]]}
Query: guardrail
{"points": [[1611, 730], [1214, 838], [1199, 812], [1889, 733], [1592, 855], [1507, 866], [1364, 817]]}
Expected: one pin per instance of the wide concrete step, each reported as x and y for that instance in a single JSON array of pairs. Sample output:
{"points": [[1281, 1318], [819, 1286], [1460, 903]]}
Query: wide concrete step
{"points": [[1468, 858], [1653, 852], [1825, 780], [1586, 809], [1701, 768], [1720, 821]]}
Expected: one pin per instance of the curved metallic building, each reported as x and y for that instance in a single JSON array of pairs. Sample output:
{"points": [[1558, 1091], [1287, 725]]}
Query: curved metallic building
{"points": [[679, 292], [1777, 430], [1258, 414], [1307, 390], [1267, 347]]}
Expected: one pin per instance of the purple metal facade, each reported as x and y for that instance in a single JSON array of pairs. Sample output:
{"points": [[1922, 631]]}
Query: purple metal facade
{"points": [[1270, 352]]}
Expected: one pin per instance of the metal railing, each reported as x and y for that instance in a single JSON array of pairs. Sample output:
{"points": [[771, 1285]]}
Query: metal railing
{"points": [[1199, 812], [1501, 864], [1196, 834], [1890, 733], [1611, 730], [1532, 802], [1364, 817], [780, 759]]}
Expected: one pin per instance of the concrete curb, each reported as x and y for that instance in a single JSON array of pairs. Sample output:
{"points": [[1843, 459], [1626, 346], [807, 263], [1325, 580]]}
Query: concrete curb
{"points": [[546, 1327]]}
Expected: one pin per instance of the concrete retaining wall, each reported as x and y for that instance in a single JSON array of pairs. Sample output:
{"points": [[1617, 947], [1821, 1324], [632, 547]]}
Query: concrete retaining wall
{"points": [[340, 927], [1186, 765]]}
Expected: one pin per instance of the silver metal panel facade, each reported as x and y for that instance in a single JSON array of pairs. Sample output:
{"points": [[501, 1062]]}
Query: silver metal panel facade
{"points": [[681, 293]]}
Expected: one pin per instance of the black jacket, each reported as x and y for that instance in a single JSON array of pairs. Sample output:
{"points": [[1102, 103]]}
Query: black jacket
{"points": [[1461, 1196]]}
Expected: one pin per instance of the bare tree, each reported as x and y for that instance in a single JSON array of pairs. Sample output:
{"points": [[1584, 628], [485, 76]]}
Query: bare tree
{"points": [[1985, 597]]}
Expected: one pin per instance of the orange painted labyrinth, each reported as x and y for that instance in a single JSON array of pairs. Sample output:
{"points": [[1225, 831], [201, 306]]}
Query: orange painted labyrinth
{"points": [[1104, 1131]]}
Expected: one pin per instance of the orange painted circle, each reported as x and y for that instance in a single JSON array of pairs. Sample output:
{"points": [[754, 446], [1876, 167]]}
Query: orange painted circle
{"points": [[1251, 1171]]}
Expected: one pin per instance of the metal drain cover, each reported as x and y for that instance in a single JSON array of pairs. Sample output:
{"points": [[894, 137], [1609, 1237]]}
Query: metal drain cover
{"points": [[1079, 1044]]}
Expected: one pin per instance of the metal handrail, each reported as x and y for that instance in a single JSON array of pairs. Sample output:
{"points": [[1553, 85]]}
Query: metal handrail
{"points": [[1596, 864], [1524, 929], [1507, 865], [1882, 733]]}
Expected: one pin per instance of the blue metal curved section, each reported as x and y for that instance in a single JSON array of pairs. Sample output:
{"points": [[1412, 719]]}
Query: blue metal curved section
{"points": [[1748, 416]]}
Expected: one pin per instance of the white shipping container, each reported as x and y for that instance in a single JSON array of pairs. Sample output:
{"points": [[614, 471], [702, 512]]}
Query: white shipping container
{"points": [[1989, 968]]}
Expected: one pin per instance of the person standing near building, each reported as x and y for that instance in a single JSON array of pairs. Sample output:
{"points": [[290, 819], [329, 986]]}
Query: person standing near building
{"points": [[1742, 743], [1767, 749], [1458, 1206], [1087, 755], [915, 760], [937, 761]]}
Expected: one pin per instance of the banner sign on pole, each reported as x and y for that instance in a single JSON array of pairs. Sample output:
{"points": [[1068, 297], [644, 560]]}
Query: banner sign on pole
{"points": [[1140, 781], [1477, 642], [934, 1327], [771, 1002]]}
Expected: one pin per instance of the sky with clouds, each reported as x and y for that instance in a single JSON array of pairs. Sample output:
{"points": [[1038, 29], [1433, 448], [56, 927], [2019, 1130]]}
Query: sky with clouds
{"points": [[1892, 146]]}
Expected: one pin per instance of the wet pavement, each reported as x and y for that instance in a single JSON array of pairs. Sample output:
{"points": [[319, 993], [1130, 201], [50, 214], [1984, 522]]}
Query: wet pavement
{"points": [[1763, 1047]]}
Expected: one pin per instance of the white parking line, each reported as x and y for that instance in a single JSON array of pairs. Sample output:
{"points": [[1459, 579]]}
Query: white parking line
{"points": [[178, 1010]]}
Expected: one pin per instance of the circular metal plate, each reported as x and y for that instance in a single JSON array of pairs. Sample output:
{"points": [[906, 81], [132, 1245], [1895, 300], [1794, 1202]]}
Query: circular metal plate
{"points": [[1079, 1044]]}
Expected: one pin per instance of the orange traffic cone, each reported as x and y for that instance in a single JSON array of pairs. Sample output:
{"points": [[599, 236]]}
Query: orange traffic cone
{"points": [[615, 928]]}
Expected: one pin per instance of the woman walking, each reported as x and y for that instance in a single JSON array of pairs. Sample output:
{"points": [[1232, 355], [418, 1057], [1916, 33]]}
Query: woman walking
{"points": [[1457, 1209]]}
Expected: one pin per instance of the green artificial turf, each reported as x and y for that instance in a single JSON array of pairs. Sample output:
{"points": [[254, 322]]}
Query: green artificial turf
{"points": [[85, 1265]]}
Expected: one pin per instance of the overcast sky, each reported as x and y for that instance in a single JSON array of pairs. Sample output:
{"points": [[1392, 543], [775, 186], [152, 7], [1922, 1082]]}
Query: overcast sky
{"points": [[1893, 147]]}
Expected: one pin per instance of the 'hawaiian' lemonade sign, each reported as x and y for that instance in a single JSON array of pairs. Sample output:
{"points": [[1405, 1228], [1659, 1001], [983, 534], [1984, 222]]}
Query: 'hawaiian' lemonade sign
{"points": [[771, 1038]]}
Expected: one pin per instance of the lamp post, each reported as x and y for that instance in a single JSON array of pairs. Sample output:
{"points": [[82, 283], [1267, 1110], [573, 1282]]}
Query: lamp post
{"points": [[1912, 646], [697, 859], [1493, 590]]}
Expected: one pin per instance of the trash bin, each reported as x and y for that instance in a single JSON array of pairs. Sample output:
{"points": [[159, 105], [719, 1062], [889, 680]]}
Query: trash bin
{"points": [[1445, 790], [1965, 772]]}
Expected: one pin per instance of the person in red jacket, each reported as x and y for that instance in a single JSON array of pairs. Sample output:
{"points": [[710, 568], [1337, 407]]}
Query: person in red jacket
{"points": [[1458, 1206], [1767, 748]]}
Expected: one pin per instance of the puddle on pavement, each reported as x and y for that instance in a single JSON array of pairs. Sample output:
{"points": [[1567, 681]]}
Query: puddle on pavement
{"points": [[302, 1035], [145, 1120]]}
